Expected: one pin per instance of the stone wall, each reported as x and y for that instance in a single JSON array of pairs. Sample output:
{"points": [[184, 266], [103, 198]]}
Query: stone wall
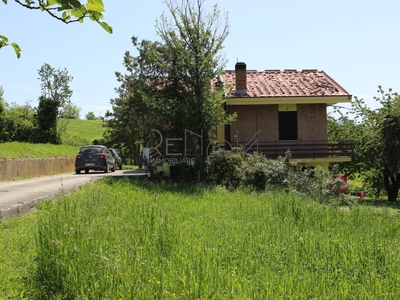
{"points": [[35, 167]]}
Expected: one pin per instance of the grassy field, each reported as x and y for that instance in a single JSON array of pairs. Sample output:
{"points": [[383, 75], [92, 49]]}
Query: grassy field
{"points": [[82, 132], [28, 150], [78, 132], [121, 239]]}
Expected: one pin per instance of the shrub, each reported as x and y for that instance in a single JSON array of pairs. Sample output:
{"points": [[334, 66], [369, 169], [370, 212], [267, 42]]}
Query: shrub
{"points": [[255, 176], [225, 168], [257, 173]]}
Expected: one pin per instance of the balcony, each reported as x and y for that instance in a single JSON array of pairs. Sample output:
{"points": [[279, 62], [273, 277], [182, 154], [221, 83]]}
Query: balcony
{"points": [[299, 149]]}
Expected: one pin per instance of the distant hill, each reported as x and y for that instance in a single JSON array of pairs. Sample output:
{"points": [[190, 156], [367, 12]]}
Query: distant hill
{"points": [[81, 132]]}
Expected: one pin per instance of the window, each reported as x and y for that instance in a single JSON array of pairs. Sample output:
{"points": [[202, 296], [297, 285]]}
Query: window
{"points": [[288, 125]]}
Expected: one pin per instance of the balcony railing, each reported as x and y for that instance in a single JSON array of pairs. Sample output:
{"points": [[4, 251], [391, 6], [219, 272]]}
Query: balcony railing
{"points": [[298, 149]]}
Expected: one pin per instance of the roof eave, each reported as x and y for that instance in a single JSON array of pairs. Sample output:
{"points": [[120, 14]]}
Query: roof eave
{"points": [[329, 100]]}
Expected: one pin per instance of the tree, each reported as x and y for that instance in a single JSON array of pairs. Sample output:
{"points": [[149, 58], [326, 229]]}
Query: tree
{"points": [[135, 111], [70, 111], [2, 101], [66, 11], [391, 154], [169, 83], [90, 116], [191, 60], [17, 122], [47, 112], [2, 114], [360, 126], [364, 127], [56, 93]]}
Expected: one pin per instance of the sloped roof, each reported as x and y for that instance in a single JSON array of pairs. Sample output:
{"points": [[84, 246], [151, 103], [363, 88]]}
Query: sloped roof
{"points": [[284, 83]]}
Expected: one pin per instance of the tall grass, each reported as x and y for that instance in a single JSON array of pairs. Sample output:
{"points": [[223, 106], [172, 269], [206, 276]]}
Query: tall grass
{"points": [[121, 239], [17, 251]]}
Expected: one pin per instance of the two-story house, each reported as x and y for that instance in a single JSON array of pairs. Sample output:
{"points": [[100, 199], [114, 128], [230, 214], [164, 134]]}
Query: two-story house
{"points": [[280, 110]]}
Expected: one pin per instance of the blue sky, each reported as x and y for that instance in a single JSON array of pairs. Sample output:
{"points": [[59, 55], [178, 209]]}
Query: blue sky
{"points": [[355, 42]]}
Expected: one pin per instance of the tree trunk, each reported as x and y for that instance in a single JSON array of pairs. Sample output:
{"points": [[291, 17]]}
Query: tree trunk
{"points": [[202, 168], [392, 185], [203, 156], [139, 158], [392, 194]]}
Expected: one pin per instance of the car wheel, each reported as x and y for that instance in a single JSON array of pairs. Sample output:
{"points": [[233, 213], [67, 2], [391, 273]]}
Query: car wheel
{"points": [[77, 171], [86, 171]]}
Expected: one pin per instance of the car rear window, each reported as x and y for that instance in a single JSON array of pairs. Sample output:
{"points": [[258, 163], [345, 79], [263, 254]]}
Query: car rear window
{"points": [[91, 150]]}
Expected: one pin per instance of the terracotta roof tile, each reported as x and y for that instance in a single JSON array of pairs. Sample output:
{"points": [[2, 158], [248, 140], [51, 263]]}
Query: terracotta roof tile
{"points": [[286, 83]]}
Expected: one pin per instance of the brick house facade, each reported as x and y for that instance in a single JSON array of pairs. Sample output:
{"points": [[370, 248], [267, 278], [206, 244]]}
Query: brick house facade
{"points": [[280, 110]]}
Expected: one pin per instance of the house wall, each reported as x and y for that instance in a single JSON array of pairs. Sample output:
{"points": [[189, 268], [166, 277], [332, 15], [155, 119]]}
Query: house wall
{"points": [[250, 119], [311, 118], [312, 122]]}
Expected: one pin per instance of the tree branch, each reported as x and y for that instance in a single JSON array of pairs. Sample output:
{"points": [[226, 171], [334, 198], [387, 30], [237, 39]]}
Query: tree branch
{"points": [[50, 10]]}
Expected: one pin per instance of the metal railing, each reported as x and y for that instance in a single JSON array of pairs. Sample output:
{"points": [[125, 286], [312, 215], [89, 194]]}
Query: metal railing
{"points": [[299, 149]]}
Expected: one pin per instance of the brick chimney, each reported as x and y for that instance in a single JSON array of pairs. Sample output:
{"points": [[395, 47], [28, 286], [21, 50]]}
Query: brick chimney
{"points": [[240, 76]]}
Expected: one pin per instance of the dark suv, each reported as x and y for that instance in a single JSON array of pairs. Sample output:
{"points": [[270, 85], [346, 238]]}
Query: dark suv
{"points": [[95, 158]]}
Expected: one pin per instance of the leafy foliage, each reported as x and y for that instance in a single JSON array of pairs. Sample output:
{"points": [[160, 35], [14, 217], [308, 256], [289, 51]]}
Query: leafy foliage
{"points": [[363, 126], [135, 111], [66, 11], [90, 116], [257, 173], [17, 122], [56, 93], [391, 154], [191, 59], [391, 142], [168, 85], [4, 42], [70, 111], [47, 112], [225, 168]]}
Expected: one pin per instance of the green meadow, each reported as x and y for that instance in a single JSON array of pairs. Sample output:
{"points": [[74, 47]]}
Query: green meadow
{"points": [[136, 239], [77, 133], [82, 132]]}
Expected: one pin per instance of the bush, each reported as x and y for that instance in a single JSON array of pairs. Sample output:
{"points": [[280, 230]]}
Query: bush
{"points": [[258, 173], [17, 123], [225, 168], [255, 175]]}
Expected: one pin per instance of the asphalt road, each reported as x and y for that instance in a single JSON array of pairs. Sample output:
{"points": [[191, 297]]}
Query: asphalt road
{"points": [[21, 197]]}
